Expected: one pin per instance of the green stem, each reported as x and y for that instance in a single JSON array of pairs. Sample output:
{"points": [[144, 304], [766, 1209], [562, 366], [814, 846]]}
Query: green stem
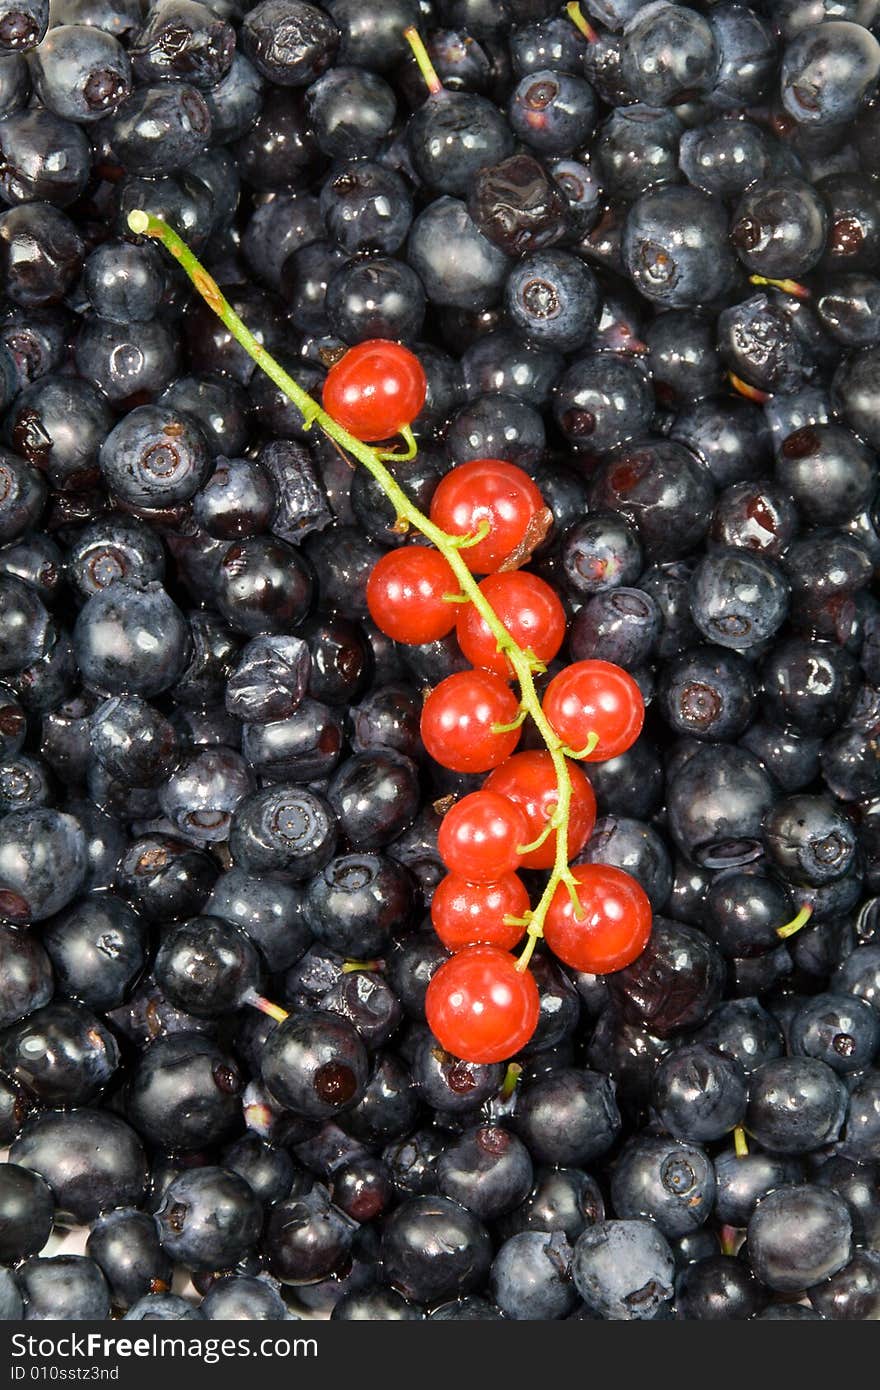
{"points": [[423, 60], [579, 20], [522, 662], [796, 923]]}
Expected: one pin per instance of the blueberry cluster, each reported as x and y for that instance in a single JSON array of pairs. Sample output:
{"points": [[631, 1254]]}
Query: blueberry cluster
{"points": [[635, 248]]}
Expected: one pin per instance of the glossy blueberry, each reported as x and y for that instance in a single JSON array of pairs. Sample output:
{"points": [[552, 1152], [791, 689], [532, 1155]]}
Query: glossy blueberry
{"points": [[699, 1095], [186, 1086], [374, 796], [379, 298], [209, 1219], [125, 1246], [352, 110], [434, 1250], [97, 948], [552, 298], [530, 1276], [182, 40], [708, 692], [668, 55], [80, 72], [289, 42], [63, 1287], [455, 262], [452, 136], [91, 1159], [798, 1236], [670, 1182], [551, 111], [635, 847], [569, 1117], [518, 206], [825, 73], [796, 1104], [496, 427], [283, 828], [355, 903], [637, 149]]}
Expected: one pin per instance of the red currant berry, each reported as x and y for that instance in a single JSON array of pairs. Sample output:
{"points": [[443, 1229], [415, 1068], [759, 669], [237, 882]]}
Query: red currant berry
{"points": [[528, 608], [490, 491], [479, 836], [471, 914], [595, 697], [529, 779], [614, 924], [405, 595], [376, 389], [460, 720], [480, 1007]]}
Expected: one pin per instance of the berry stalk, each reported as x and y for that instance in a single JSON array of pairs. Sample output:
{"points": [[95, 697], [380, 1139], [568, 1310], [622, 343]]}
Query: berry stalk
{"points": [[522, 662]]}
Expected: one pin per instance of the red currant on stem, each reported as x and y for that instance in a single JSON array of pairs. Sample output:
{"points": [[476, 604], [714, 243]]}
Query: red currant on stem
{"points": [[596, 708], [529, 780], [408, 595], [528, 608], [471, 721], [480, 1007], [479, 836], [469, 914], [609, 928], [503, 499], [375, 390]]}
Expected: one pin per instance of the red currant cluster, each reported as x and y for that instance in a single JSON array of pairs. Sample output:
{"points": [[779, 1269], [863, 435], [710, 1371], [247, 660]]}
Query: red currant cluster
{"points": [[483, 1004]]}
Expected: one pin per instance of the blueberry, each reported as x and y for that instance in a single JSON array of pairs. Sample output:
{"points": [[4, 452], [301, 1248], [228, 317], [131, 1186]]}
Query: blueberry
{"points": [[669, 55], [186, 1086], [518, 206], [497, 427], [635, 847], [798, 1236], [289, 42], [551, 111], [809, 839], [80, 72], [530, 1276], [263, 586], [455, 262], [826, 72], [238, 499], [352, 110], [307, 1238], [28, 1209], [63, 1287], [125, 1246], [209, 1219], [637, 149], [670, 1182], [61, 1053], [552, 298], [796, 1104], [375, 797], [570, 1117], [434, 1250], [304, 746], [840, 1030], [378, 298], [97, 949], [624, 1270], [452, 136], [162, 1307], [708, 692], [244, 1298], [91, 1159], [659, 486], [234, 102], [283, 828], [699, 1095], [183, 40]]}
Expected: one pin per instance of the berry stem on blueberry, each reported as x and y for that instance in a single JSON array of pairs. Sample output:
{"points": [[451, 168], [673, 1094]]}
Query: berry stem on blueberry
{"points": [[265, 1006], [425, 66], [751, 393], [580, 21], [522, 662], [511, 1077], [787, 286], [796, 923], [740, 1142]]}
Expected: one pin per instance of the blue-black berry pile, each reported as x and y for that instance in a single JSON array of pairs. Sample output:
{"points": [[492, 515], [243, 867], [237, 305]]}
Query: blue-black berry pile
{"points": [[635, 248]]}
